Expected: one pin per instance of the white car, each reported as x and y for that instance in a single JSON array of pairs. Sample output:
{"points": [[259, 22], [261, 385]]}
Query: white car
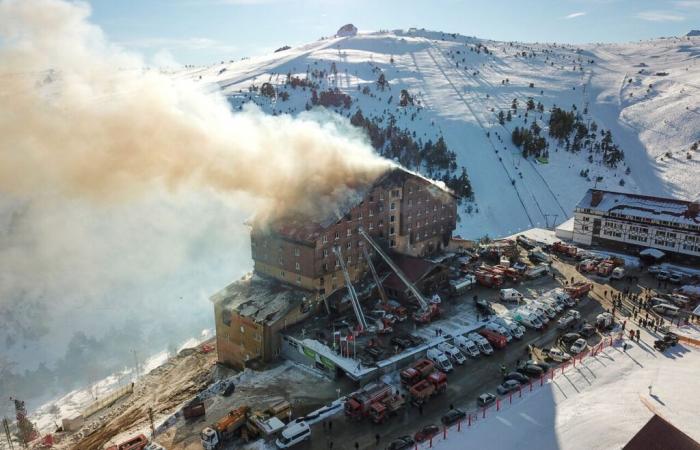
{"points": [[454, 354], [573, 313], [558, 355], [578, 346], [293, 434], [440, 359], [467, 346]]}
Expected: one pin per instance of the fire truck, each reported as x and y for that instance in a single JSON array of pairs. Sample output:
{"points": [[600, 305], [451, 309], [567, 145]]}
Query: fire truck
{"points": [[433, 384], [418, 371], [376, 401]]}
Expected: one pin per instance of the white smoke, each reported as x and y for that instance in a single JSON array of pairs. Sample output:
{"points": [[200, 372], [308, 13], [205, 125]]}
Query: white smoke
{"points": [[123, 191]]}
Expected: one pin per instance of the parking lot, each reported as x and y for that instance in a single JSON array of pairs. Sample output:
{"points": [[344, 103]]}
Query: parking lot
{"points": [[476, 376]]}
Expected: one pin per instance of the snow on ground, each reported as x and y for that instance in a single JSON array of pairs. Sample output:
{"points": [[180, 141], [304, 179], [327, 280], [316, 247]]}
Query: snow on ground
{"points": [[459, 92], [599, 405]]}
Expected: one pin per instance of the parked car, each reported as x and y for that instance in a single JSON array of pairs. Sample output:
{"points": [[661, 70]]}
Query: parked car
{"points": [[453, 416], [485, 399], [154, 446], [578, 346], [587, 330], [510, 295], [565, 322], [666, 309], [558, 355], [426, 433], [670, 338], [401, 342], [401, 443], [440, 359], [228, 389], [573, 313], [517, 376], [676, 278], [531, 370], [569, 338], [662, 275], [452, 352], [541, 364], [467, 346], [654, 269], [374, 352], [508, 386]]}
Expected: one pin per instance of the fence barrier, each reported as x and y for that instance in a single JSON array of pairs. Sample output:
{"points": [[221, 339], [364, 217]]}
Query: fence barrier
{"points": [[473, 415]]}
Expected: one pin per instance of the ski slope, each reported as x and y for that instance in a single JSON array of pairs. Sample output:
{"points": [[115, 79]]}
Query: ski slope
{"points": [[459, 93]]}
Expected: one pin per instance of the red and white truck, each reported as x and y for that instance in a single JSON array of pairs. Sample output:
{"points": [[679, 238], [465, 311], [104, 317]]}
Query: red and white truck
{"points": [[376, 401]]}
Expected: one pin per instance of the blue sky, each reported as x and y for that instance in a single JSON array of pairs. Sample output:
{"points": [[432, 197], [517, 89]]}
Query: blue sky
{"points": [[206, 31]]}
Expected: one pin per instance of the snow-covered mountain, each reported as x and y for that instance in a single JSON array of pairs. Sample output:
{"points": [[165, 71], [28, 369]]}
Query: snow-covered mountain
{"points": [[636, 101]]}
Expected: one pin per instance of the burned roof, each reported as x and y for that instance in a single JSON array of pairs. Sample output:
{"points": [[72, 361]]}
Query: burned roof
{"points": [[415, 269], [674, 211], [305, 228], [260, 299]]}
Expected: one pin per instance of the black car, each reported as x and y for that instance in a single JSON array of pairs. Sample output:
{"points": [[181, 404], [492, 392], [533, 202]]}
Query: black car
{"points": [[485, 399], [426, 433], [587, 330], [670, 338], [660, 345], [542, 365], [484, 307], [401, 342], [415, 339], [517, 376], [569, 338], [228, 389], [374, 352], [401, 443], [453, 416], [531, 370]]}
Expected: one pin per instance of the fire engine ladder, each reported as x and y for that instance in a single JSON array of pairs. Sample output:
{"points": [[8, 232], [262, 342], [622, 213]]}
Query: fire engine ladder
{"points": [[353, 294], [380, 288], [421, 300]]}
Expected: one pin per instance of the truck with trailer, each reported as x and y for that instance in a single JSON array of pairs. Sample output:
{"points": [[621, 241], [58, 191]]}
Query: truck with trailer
{"points": [[225, 429]]}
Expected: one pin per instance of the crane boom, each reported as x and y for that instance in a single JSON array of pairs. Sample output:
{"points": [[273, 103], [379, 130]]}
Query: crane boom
{"points": [[380, 288], [421, 300], [354, 300]]}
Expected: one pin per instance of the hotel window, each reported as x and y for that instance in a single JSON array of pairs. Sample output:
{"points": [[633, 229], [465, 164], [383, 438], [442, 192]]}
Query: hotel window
{"points": [[381, 196], [337, 235], [296, 252], [348, 245], [325, 238], [371, 225], [392, 219], [325, 253], [297, 266], [391, 231], [371, 212], [349, 232]]}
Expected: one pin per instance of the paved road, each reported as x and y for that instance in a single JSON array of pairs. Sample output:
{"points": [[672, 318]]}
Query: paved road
{"points": [[464, 385]]}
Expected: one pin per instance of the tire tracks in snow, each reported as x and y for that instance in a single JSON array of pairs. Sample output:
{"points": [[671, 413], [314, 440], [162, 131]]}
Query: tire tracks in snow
{"points": [[485, 130], [546, 185]]}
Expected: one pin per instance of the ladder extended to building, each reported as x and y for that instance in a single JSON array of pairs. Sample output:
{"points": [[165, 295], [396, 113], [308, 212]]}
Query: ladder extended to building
{"points": [[380, 288], [354, 300], [419, 297]]}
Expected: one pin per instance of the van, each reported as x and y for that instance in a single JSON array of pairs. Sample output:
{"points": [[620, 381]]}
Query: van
{"points": [[562, 295], [510, 295], [481, 343], [528, 319], [545, 308], [618, 273], [441, 361], [666, 309], [539, 313], [467, 346], [537, 271], [513, 328], [293, 434], [500, 329], [452, 352]]}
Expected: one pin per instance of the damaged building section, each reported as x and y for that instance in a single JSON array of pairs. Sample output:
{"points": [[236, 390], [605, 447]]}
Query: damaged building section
{"points": [[299, 285], [250, 314]]}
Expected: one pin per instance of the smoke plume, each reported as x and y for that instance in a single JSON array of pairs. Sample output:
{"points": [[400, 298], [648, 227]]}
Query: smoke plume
{"points": [[80, 116], [123, 192]]}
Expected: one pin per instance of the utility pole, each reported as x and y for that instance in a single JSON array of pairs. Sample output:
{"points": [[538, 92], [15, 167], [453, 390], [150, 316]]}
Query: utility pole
{"points": [[136, 363], [153, 427]]}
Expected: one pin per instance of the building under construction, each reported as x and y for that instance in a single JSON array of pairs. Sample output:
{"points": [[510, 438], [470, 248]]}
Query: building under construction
{"points": [[307, 265]]}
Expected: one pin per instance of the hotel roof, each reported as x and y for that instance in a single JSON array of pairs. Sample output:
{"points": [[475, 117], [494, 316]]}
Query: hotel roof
{"points": [[674, 211]]}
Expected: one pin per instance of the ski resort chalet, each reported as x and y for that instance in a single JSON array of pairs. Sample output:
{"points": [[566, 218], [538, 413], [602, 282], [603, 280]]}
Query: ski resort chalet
{"points": [[632, 222], [303, 265]]}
